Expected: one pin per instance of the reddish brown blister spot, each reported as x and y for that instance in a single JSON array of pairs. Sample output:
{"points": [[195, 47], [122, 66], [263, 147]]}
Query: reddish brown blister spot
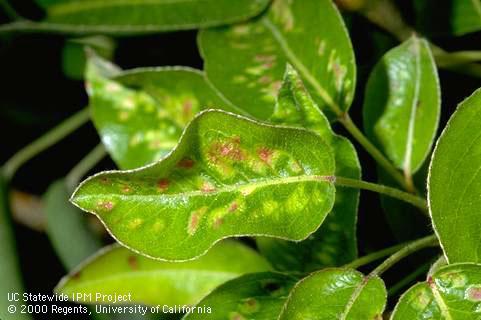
{"points": [[133, 262], [106, 205], [228, 150], [76, 275], [265, 154], [233, 207], [187, 108], [474, 293], [186, 163], [163, 184], [126, 189], [104, 180], [207, 187]]}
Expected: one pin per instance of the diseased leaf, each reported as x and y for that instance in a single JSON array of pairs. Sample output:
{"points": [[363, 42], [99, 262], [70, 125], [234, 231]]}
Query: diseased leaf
{"points": [[310, 35], [454, 184], [334, 243], [66, 227], [402, 104], [145, 16], [117, 270], [452, 292], [140, 114], [336, 294], [228, 176], [252, 296]]}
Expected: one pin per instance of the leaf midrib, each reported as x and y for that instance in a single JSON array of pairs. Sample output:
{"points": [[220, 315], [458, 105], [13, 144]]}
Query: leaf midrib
{"points": [[439, 300], [412, 117], [226, 188], [321, 91]]}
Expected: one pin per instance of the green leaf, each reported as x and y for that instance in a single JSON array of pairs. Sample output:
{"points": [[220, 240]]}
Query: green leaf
{"points": [[140, 114], [117, 270], [252, 296], [402, 104], [454, 183], [228, 176], [10, 275], [73, 54], [66, 227], [145, 16], [456, 17], [335, 242], [336, 294], [453, 292], [251, 57], [465, 16]]}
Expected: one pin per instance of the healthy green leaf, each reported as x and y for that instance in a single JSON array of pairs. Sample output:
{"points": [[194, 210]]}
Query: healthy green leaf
{"points": [[252, 296], [140, 114], [402, 104], [66, 227], [117, 270], [452, 293], [145, 16], [343, 294], [454, 183], [228, 176], [457, 17], [252, 56], [335, 242], [73, 54], [466, 16]]}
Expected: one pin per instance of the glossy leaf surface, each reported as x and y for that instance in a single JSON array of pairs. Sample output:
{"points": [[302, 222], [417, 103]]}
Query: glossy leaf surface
{"points": [[454, 183], [336, 294], [453, 292], [402, 104], [140, 114], [146, 16], [335, 242], [252, 296], [67, 228], [308, 34], [229, 176], [117, 270]]}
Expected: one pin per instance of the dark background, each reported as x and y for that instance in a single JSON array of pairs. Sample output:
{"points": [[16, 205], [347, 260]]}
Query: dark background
{"points": [[35, 95]]}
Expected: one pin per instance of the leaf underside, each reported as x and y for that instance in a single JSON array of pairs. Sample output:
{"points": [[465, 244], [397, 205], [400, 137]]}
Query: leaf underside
{"points": [[117, 270]]}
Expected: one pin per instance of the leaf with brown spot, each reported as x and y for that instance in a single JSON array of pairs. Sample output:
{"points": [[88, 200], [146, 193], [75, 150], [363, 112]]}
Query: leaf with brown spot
{"points": [[251, 57], [214, 140], [451, 292], [141, 113], [334, 244]]}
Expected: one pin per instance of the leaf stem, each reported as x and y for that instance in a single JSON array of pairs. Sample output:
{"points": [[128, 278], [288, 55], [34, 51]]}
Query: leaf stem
{"points": [[429, 241], [367, 259], [80, 170], [377, 155], [43, 142], [392, 192]]}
